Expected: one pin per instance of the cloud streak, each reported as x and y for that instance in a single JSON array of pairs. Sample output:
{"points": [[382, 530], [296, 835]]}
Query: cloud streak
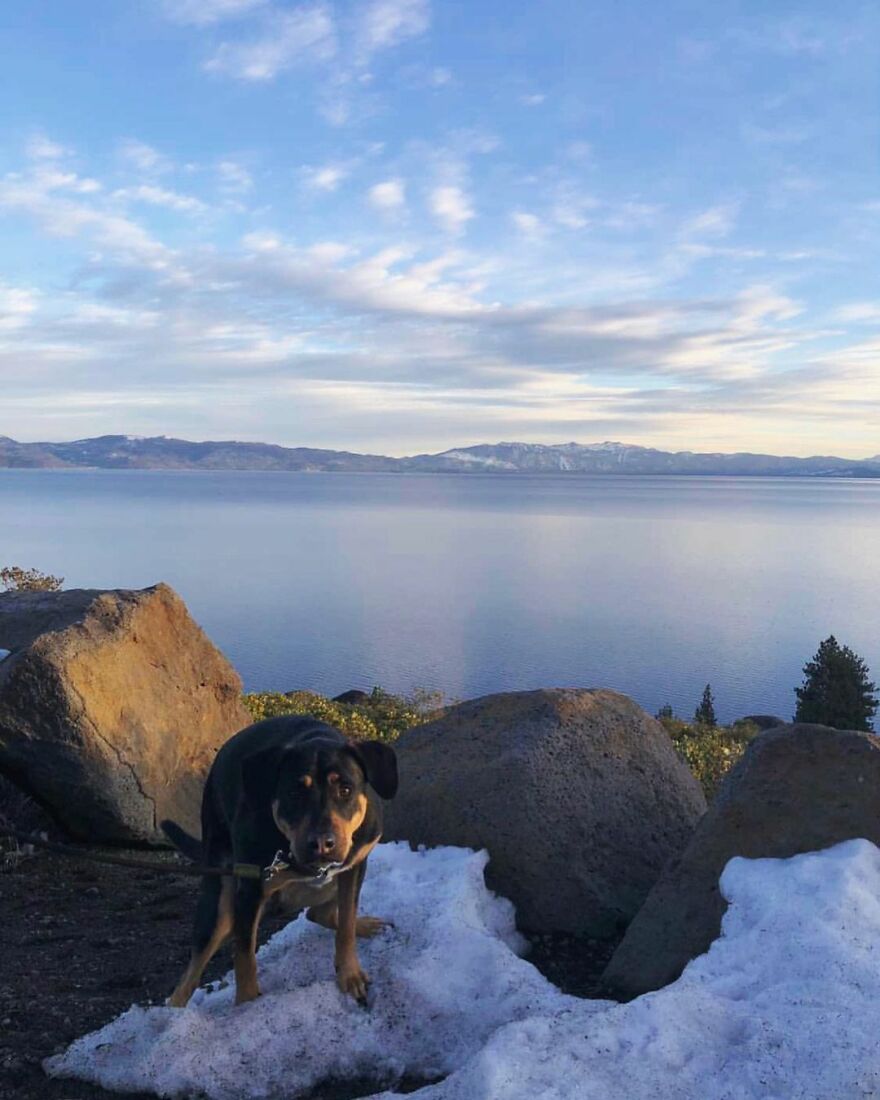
{"points": [[303, 36]]}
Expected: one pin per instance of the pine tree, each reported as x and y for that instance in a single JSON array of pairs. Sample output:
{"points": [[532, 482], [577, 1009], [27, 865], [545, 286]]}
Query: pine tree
{"points": [[704, 715], [836, 690], [666, 711]]}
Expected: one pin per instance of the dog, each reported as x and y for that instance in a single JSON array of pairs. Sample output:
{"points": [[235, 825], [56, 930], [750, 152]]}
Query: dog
{"points": [[291, 802]]}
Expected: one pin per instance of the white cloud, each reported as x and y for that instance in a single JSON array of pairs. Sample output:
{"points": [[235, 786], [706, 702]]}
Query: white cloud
{"points": [[382, 24], [50, 179], [746, 344], [571, 206], [451, 207], [386, 281], [572, 217], [303, 35], [859, 312], [713, 251], [160, 196], [758, 303], [388, 195], [61, 216], [529, 225], [330, 252], [535, 99], [144, 157], [39, 147], [98, 314], [233, 178], [325, 178], [716, 221], [201, 13], [17, 304]]}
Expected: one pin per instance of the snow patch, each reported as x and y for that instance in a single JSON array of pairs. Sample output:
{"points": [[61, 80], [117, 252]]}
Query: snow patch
{"points": [[444, 979], [784, 1005], [478, 460]]}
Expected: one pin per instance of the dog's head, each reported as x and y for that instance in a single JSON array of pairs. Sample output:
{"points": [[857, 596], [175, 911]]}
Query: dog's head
{"points": [[318, 796]]}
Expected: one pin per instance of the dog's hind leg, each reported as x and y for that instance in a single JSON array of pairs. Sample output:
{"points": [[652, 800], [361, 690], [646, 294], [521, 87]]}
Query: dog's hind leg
{"points": [[212, 925]]}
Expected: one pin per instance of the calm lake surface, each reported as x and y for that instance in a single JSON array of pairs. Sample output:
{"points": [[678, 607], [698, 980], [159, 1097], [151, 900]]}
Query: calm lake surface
{"points": [[474, 584]]}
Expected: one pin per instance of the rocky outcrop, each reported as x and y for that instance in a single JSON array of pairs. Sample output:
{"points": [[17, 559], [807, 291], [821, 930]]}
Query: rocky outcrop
{"points": [[112, 705], [764, 721], [797, 789], [354, 697], [579, 797]]}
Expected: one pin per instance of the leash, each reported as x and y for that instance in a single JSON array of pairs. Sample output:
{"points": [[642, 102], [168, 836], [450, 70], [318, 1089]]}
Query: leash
{"points": [[237, 870]]}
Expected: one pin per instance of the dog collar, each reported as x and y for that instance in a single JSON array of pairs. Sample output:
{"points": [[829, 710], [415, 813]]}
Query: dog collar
{"points": [[281, 863]]}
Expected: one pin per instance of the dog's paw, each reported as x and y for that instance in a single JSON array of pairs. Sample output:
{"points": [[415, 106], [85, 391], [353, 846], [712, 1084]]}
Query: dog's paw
{"points": [[354, 983], [243, 996], [367, 927]]}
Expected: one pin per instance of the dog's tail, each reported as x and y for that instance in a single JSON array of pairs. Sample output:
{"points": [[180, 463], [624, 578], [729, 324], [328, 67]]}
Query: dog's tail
{"points": [[180, 838]]}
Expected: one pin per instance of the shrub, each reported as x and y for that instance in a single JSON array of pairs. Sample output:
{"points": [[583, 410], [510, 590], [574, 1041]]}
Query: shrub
{"points": [[709, 751], [381, 717], [15, 579]]}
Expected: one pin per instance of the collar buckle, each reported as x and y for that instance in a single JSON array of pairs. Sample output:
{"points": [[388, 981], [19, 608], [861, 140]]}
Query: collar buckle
{"points": [[278, 864]]}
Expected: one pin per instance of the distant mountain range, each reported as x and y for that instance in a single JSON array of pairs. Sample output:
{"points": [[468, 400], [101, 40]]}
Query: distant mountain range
{"points": [[124, 452]]}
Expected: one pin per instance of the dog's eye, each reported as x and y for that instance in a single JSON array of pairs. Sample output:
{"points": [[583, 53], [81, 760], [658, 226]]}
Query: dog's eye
{"points": [[344, 790]]}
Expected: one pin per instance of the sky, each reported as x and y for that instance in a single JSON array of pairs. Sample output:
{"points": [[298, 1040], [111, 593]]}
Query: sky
{"points": [[405, 225]]}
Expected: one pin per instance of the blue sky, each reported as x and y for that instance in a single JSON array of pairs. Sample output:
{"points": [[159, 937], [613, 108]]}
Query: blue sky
{"points": [[402, 225]]}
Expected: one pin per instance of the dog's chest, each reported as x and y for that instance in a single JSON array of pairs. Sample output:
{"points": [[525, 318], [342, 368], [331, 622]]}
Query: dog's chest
{"points": [[296, 894]]}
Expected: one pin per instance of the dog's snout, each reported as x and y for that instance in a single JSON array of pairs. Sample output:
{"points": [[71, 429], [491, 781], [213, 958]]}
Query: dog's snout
{"points": [[322, 844]]}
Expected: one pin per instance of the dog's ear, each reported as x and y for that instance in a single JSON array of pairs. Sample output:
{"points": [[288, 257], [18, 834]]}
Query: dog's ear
{"points": [[379, 762], [259, 773]]}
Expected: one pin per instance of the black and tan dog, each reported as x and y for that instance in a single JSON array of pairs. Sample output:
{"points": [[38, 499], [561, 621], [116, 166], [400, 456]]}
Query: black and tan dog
{"points": [[294, 798]]}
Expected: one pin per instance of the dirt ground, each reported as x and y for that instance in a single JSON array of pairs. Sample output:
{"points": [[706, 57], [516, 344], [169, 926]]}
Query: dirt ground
{"points": [[80, 942]]}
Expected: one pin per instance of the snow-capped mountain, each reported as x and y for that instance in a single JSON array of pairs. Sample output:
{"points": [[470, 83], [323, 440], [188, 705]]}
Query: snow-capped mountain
{"points": [[160, 452]]}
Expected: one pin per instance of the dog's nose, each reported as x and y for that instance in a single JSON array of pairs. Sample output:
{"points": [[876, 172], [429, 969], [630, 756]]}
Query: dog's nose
{"points": [[322, 844]]}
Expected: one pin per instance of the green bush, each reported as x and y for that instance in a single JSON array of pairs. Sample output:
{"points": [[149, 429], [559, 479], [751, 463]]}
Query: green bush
{"points": [[709, 751], [381, 717]]}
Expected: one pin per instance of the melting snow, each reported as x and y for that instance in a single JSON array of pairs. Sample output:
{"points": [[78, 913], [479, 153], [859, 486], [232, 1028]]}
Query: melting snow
{"points": [[785, 1004]]}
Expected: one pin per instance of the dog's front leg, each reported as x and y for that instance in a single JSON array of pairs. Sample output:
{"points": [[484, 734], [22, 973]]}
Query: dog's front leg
{"points": [[248, 908], [349, 976]]}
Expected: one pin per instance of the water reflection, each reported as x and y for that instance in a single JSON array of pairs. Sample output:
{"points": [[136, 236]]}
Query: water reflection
{"points": [[652, 585]]}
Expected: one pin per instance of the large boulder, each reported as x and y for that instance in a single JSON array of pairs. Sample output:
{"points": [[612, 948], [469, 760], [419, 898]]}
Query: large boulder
{"points": [[578, 796], [112, 705], [797, 789]]}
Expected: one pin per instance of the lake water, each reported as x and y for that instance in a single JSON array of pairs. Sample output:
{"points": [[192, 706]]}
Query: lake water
{"points": [[474, 584]]}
